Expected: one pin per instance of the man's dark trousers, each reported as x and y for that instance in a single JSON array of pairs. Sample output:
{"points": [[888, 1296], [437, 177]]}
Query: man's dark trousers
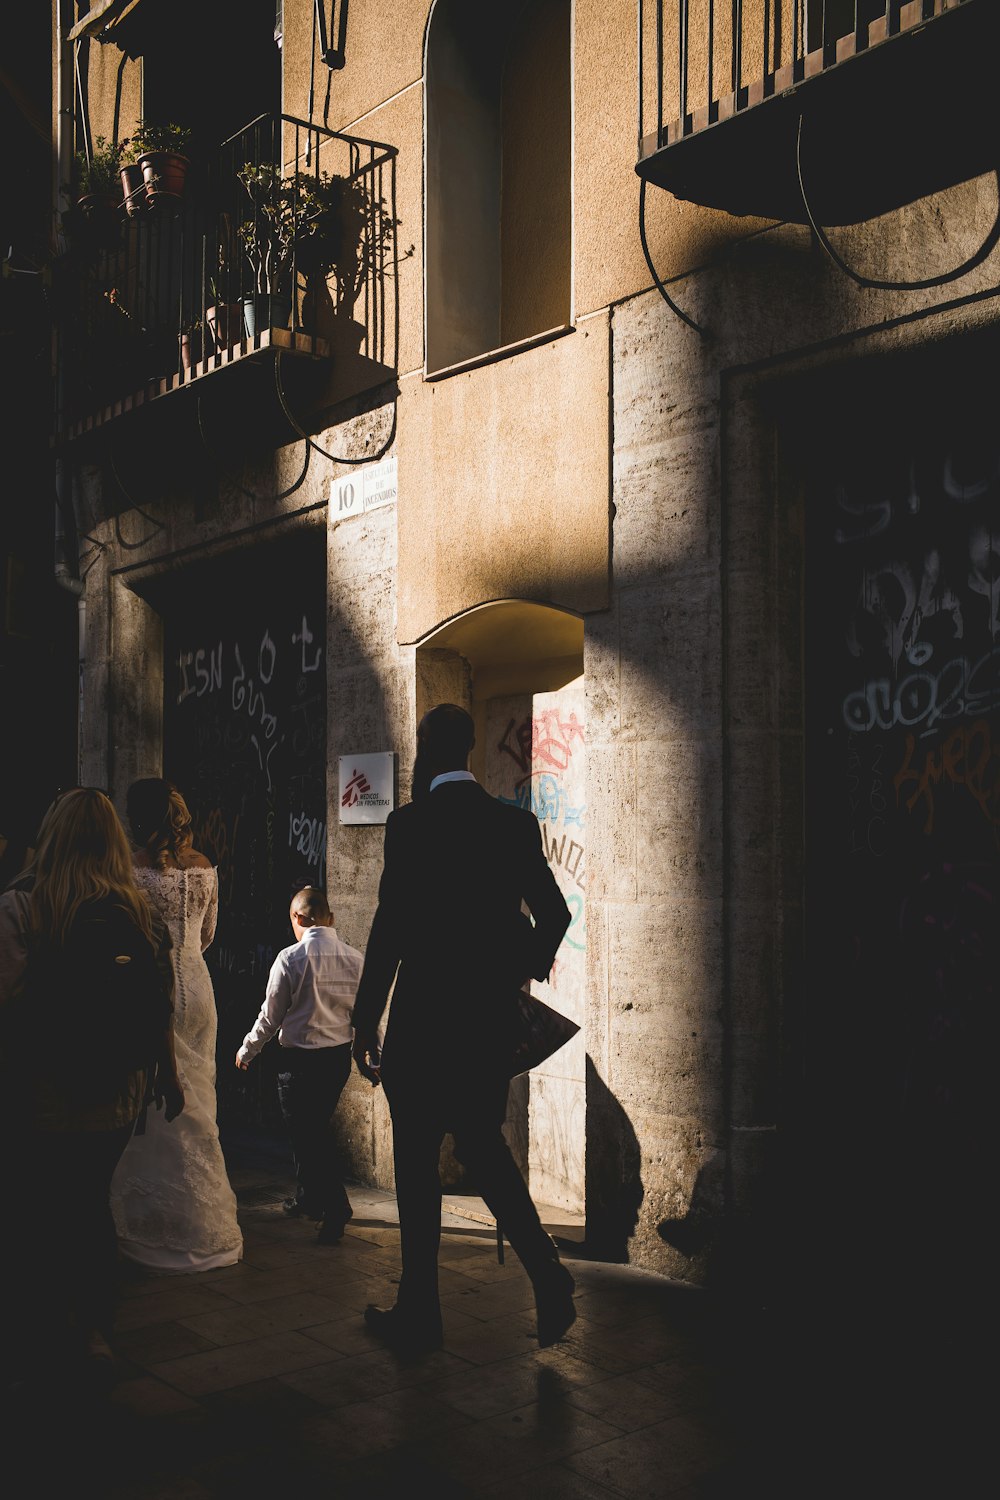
{"points": [[310, 1083], [472, 1113]]}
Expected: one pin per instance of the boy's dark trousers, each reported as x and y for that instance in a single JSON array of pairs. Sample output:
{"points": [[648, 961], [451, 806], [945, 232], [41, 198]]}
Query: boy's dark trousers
{"points": [[310, 1083]]}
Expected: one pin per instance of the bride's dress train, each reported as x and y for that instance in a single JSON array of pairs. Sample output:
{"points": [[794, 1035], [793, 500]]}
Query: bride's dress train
{"points": [[173, 1205]]}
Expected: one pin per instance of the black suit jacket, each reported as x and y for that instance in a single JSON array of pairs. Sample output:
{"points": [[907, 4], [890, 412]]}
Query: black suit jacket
{"points": [[457, 866]]}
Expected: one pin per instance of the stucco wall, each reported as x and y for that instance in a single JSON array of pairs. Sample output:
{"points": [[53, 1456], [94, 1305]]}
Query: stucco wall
{"points": [[385, 55], [518, 450]]}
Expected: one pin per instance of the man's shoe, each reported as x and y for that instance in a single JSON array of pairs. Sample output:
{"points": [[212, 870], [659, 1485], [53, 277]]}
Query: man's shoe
{"points": [[295, 1208], [332, 1230], [554, 1288], [404, 1331]]}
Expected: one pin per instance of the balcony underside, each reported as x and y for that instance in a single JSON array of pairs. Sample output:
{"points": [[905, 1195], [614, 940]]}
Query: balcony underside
{"points": [[910, 115], [240, 358]]}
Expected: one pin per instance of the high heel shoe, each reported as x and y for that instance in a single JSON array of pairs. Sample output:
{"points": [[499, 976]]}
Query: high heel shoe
{"points": [[554, 1306]]}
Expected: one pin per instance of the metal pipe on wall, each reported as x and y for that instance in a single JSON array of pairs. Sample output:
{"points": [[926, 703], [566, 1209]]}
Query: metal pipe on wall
{"points": [[66, 561]]}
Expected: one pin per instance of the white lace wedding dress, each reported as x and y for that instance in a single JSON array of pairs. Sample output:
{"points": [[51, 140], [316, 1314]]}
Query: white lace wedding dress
{"points": [[173, 1205]]}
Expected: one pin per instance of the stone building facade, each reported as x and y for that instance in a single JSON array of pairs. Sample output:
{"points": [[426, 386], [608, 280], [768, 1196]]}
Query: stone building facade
{"points": [[695, 507]]}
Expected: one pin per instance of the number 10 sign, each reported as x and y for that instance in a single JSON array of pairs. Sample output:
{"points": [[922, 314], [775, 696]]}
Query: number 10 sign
{"points": [[367, 489]]}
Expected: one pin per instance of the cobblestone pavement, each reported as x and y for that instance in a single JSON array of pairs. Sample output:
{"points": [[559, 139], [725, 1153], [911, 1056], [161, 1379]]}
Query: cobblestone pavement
{"points": [[262, 1379]]}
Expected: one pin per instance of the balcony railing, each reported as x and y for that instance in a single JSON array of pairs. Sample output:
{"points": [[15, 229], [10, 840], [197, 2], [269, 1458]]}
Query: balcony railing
{"points": [[874, 102], [286, 240]]}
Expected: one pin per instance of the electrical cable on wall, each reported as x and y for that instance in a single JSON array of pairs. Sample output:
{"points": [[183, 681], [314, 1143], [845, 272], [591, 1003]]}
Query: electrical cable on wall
{"points": [[312, 82], [870, 283], [684, 317], [243, 491], [133, 505], [366, 458], [92, 555]]}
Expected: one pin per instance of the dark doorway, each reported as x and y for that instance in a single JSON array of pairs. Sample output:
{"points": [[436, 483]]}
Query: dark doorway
{"points": [[902, 876], [245, 740], [903, 777]]}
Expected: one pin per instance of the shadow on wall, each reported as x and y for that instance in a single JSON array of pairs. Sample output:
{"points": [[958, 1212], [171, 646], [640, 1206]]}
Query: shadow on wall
{"points": [[614, 1183]]}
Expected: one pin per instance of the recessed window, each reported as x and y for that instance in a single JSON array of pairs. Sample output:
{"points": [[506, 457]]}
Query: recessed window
{"points": [[498, 231]]}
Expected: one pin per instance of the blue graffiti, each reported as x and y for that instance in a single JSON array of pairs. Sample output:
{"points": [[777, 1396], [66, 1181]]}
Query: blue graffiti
{"points": [[547, 799], [575, 904]]}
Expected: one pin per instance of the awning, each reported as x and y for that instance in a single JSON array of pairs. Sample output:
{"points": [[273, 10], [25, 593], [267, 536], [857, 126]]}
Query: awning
{"points": [[103, 20]]}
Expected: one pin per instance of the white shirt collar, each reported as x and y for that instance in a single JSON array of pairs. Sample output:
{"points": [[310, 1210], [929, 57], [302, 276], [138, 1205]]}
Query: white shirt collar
{"points": [[451, 776]]}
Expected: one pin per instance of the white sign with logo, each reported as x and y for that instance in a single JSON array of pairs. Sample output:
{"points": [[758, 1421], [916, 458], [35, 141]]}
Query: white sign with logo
{"points": [[366, 787], [366, 489]]}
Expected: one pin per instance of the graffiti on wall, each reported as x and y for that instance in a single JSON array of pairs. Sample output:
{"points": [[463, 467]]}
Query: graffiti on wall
{"points": [[541, 745], [903, 770], [245, 739], [537, 760]]}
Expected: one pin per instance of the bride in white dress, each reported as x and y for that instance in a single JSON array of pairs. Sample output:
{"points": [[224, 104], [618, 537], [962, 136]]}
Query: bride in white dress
{"points": [[173, 1205]]}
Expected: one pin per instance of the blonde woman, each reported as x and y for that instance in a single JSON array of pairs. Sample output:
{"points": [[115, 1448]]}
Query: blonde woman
{"points": [[77, 940], [174, 1207]]}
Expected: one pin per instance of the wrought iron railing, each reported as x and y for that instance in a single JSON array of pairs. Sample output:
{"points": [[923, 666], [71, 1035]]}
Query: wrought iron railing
{"points": [[287, 236], [701, 61]]}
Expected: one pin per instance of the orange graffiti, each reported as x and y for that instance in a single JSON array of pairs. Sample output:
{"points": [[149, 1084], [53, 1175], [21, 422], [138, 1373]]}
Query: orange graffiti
{"points": [[968, 758]]}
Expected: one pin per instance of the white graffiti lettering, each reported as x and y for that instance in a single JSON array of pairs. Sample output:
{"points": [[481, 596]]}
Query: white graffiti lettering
{"points": [[187, 688], [265, 760], [984, 572], [927, 698], [208, 677], [889, 595], [307, 836], [268, 652], [305, 636]]}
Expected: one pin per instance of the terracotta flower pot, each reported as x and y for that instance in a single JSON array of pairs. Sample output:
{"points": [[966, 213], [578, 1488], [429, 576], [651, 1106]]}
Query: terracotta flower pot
{"points": [[164, 173], [191, 348], [133, 190], [225, 325]]}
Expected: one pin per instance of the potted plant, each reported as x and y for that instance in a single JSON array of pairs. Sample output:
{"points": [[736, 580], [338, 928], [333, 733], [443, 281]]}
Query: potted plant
{"points": [[268, 242], [96, 176], [95, 190], [304, 223], [191, 344], [223, 317], [160, 155], [347, 239], [132, 181]]}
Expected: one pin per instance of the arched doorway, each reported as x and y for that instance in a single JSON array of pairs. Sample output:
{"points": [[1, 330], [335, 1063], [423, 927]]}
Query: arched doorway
{"points": [[518, 667]]}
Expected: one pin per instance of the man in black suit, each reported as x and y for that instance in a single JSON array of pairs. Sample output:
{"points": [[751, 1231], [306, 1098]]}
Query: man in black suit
{"points": [[457, 866]]}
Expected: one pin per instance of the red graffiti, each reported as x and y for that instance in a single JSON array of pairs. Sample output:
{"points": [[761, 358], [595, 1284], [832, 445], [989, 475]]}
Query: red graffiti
{"points": [[547, 739], [968, 758]]}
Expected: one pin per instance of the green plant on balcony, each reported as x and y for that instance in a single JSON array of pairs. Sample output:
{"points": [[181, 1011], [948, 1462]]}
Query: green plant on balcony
{"points": [[159, 150], [317, 224], [98, 175], [268, 238], [151, 135], [223, 312]]}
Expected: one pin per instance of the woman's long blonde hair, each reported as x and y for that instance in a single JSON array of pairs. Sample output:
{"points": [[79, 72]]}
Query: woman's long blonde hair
{"points": [[83, 855], [159, 819]]}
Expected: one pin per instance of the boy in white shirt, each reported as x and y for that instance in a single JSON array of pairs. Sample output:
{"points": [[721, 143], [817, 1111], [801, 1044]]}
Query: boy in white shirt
{"points": [[308, 1002]]}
